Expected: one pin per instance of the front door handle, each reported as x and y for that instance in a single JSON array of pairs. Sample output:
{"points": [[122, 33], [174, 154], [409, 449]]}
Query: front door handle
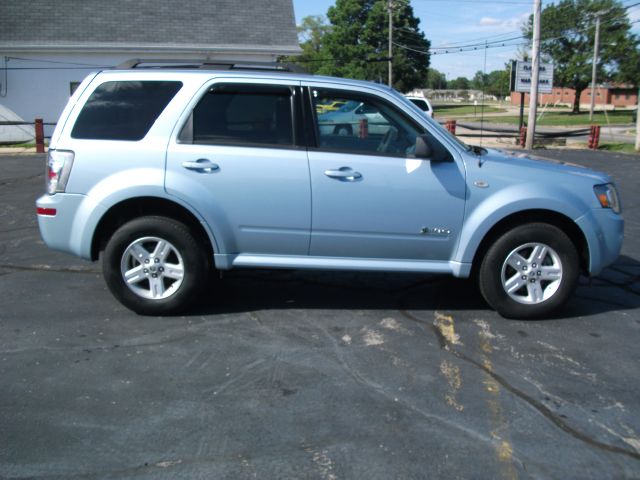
{"points": [[202, 165], [344, 174]]}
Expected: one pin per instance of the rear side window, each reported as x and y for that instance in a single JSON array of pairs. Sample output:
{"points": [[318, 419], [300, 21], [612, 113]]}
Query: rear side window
{"points": [[123, 110], [243, 115]]}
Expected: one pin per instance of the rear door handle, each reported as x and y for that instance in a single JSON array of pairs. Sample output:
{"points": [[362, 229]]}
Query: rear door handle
{"points": [[344, 174], [202, 165]]}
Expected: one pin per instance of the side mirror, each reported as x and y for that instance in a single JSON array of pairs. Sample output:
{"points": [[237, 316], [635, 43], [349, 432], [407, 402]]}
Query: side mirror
{"points": [[423, 150]]}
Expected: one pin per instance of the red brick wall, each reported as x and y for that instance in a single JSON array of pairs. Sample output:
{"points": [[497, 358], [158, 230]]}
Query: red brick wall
{"points": [[619, 97]]}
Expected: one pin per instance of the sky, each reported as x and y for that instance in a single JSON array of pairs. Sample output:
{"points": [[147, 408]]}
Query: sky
{"points": [[454, 23]]}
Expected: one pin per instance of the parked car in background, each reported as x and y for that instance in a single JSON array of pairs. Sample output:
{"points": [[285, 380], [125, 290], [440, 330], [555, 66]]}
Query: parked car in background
{"points": [[350, 117], [422, 103], [170, 174], [329, 107]]}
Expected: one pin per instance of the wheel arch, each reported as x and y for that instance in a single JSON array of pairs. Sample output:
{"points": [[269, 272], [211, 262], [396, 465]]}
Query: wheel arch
{"points": [[564, 223], [132, 208]]}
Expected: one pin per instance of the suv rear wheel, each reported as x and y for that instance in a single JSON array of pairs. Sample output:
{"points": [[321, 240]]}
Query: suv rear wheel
{"points": [[155, 265], [529, 271]]}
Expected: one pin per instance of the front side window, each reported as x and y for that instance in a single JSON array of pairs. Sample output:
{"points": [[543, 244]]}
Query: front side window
{"points": [[244, 115], [124, 110], [366, 124]]}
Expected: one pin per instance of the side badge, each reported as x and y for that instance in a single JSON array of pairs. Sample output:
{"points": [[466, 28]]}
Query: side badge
{"points": [[435, 232]]}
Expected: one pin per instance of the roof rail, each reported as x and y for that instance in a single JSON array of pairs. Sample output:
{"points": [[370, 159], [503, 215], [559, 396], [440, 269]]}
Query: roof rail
{"points": [[209, 65]]}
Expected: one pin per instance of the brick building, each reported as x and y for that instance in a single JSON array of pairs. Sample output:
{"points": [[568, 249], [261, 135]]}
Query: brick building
{"points": [[612, 96]]}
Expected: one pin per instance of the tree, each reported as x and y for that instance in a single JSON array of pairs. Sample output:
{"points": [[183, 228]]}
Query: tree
{"points": [[629, 70], [479, 80], [568, 31], [311, 32], [460, 83], [436, 80], [357, 43], [498, 83]]}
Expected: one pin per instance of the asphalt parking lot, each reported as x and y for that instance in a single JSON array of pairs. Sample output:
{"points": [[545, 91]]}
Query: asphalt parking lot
{"points": [[287, 374]]}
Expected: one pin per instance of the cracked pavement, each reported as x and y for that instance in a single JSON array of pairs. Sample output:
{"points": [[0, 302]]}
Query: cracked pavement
{"points": [[320, 375]]}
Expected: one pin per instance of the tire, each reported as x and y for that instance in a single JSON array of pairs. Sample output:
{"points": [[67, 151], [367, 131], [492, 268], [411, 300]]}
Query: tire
{"points": [[166, 265], [343, 130], [529, 272]]}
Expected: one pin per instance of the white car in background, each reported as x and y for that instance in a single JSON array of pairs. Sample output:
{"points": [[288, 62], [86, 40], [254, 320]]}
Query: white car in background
{"points": [[345, 121], [422, 103]]}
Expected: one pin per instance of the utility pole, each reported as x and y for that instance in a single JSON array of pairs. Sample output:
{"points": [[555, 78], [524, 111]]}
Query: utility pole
{"points": [[638, 123], [594, 67], [535, 67], [390, 43]]}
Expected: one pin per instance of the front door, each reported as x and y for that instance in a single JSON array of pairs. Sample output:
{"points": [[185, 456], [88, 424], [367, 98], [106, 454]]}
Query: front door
{"points": [[371, 199]]}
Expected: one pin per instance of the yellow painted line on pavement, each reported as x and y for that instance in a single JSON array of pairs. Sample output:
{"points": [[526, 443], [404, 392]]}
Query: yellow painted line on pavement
{"points": [[451, 373], [500, 427], [444, 323]]}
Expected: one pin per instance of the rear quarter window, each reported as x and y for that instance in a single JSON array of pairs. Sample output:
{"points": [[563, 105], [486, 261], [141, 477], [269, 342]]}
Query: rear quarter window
{"points": [[123, 110]]}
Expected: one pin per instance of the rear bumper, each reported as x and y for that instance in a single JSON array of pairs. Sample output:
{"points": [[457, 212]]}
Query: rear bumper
{"points": [[69, 230]]}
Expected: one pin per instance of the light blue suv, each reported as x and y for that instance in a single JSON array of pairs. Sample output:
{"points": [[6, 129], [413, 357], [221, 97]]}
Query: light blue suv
{"points": [[169, 174]]}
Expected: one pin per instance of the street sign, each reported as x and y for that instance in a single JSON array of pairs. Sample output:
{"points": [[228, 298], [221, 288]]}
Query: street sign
{"points": [[521, 77]]}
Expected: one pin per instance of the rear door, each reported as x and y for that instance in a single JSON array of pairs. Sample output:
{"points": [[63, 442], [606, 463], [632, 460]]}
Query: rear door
{"points": [[240, 162]]}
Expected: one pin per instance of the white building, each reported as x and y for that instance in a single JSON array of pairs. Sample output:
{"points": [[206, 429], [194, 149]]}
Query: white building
{"points": [[47, 48]]}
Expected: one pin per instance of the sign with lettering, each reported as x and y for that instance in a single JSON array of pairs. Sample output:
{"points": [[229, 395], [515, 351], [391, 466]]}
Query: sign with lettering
{"points": [[522, 73]]}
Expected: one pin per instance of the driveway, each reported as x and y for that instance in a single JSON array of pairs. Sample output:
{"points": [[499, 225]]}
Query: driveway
{"points": [[320, 375]]}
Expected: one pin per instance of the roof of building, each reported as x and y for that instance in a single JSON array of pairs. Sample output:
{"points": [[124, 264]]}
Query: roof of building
{"points": [[120, 25]]}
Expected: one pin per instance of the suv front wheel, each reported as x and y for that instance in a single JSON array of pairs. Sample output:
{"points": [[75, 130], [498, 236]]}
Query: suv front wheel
{"points": [[529, 271], [155, 265]]}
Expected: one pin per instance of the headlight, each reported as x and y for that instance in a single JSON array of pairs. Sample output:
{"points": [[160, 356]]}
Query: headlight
{"points": [[608, 196]]}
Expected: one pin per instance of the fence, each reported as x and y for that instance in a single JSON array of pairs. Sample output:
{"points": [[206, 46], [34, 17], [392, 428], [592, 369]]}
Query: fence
{"points": [[593, 132], [38, 125]]}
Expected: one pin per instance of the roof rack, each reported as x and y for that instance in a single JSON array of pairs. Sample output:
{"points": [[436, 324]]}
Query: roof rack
{"points": [[208, 64]]}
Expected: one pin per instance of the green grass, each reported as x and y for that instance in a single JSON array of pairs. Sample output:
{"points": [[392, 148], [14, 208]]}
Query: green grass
{"points": [[453, 110], [619, 147], [23, 145], [561, 119]]}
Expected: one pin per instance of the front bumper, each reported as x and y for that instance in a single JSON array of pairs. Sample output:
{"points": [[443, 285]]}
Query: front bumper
{"points": [[604, 230]]}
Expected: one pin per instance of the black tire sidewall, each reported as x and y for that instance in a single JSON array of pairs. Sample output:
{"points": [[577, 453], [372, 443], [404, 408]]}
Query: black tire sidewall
{"points": [[490, 280], [179, 235], [346, 128]]}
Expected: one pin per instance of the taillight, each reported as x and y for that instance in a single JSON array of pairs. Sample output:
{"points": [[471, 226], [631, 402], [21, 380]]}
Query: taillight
{"points": [[47, 212], [59, 165]]}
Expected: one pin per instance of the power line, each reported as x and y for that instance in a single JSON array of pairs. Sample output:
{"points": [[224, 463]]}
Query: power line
{"points": [[42, 60], [477, 39], [479, 44], [464, 44], [58, 68], [460, 49]]}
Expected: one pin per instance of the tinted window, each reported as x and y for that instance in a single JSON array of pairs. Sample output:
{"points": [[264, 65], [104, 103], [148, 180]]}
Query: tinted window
{"points": [[240, 115], [421, 104], [366, 124], [123, 110]]}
